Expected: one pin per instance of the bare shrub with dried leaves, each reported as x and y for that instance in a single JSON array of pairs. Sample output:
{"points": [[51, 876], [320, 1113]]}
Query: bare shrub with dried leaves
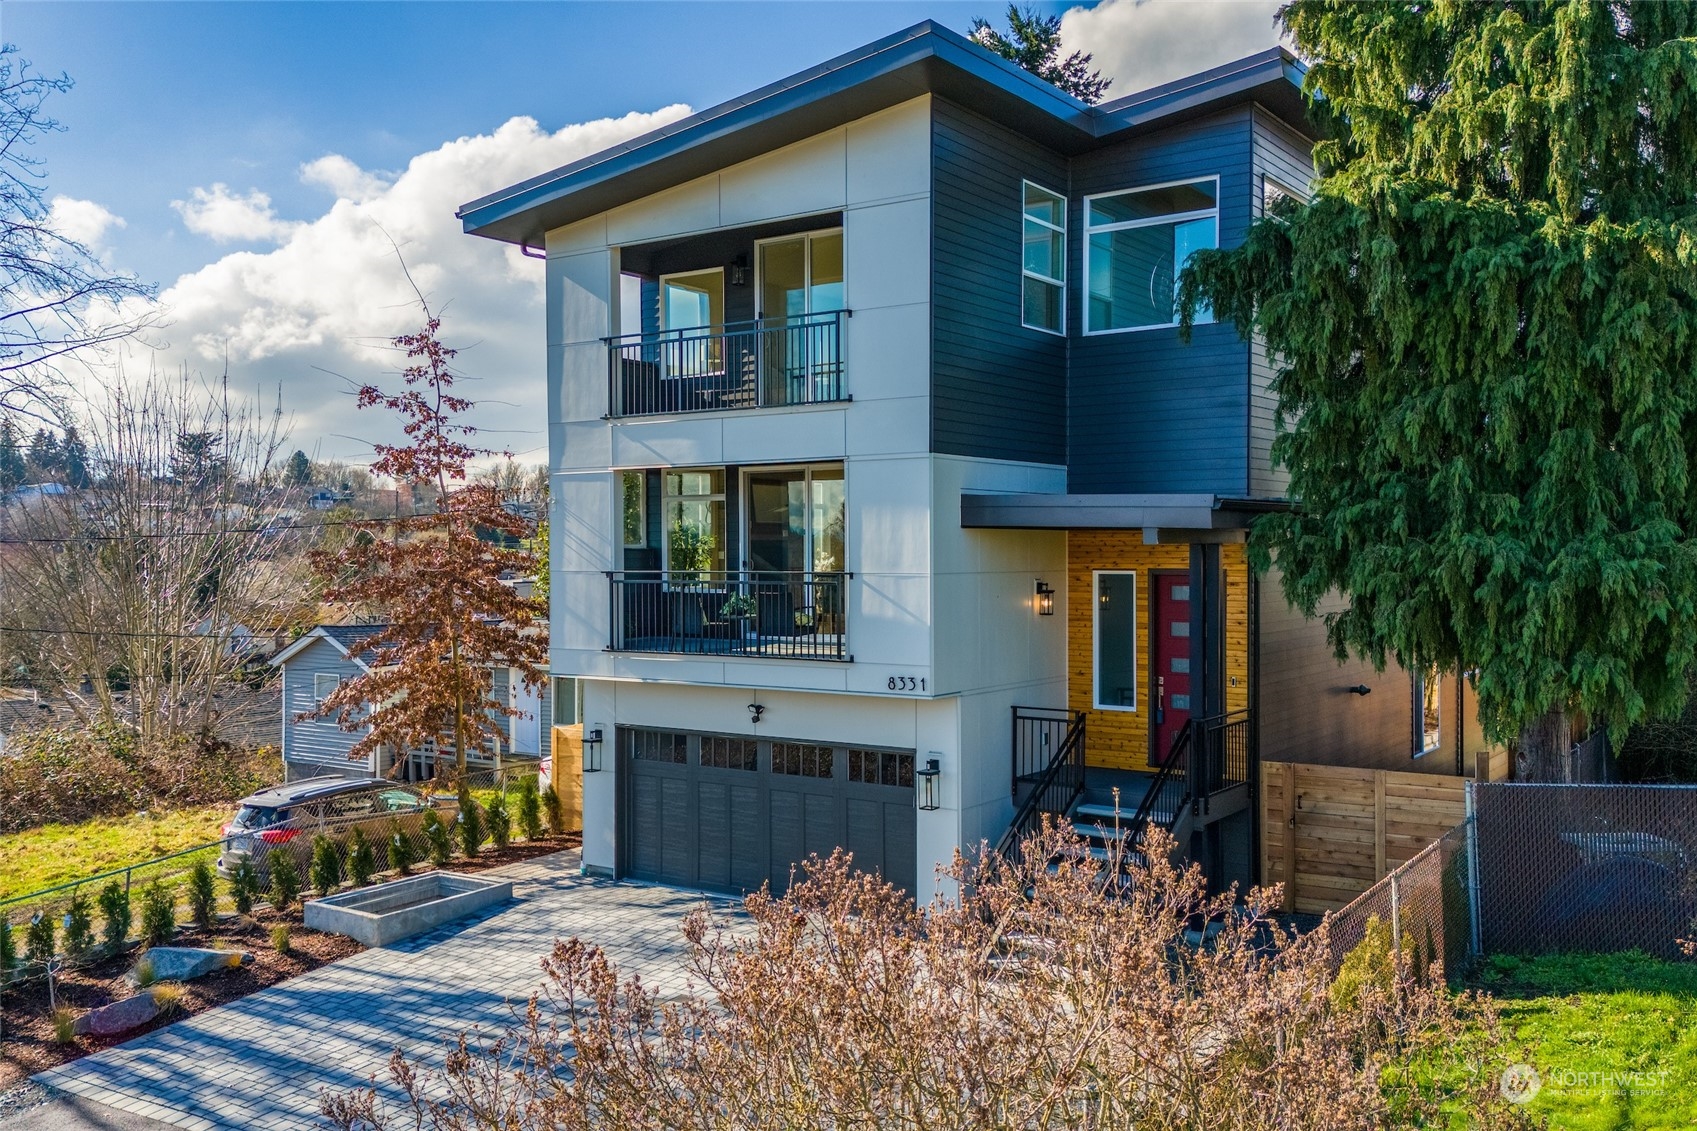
{"points": [[1031, 998]]}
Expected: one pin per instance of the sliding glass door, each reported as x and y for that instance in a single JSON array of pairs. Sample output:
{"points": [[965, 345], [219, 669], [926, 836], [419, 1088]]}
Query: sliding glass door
{"points": [[796, 519], [800, 277]]}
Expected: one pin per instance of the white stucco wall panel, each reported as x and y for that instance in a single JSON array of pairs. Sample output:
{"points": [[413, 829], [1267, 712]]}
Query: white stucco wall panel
{"points": [[887, 351], [681, 441], [887, 254], [889, 153], [809, 176], [774, 437], [579, 290], [690, 207]]}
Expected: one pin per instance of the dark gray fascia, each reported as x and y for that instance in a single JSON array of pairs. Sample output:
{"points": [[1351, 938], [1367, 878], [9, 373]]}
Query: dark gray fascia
{"points": [[1112, 512]]}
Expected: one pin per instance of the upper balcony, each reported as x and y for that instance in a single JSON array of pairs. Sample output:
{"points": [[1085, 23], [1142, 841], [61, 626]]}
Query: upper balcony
{"points": [[761, 363]]}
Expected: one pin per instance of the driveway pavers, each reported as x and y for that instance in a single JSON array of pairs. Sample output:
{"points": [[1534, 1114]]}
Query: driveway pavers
{"points": [[262, 1061]]}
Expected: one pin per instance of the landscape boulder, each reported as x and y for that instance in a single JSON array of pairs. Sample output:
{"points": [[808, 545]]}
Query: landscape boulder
{"points": [[119, 1017], [180, 963]]}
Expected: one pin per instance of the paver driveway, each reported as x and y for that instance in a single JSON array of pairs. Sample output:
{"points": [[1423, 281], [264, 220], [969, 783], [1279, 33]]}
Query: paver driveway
{"points": [[261, 1061]]}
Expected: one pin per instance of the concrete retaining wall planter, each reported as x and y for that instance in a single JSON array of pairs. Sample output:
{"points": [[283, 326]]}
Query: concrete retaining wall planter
{"points": [[399, 909]]}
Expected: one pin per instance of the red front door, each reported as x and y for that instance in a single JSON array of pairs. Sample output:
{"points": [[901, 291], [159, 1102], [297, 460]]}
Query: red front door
{"points": [[1170, 692]]}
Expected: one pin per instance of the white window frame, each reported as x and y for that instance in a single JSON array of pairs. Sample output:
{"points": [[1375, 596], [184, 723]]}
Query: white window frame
{"points": [[1025, 273], [1418, 712], [1096, 576], [807, 239], [666, 527], [1127, 225], [318, 678], [573, 687], [641, 507], [1273, 184]]}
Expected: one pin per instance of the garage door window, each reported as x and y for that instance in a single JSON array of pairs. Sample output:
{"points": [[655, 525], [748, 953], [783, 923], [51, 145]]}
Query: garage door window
{"points": [[881, 767], [802, 760], [729, 753], [659, 746]]}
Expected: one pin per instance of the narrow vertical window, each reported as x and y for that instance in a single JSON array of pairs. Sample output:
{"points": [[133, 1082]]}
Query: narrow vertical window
{"points": [[1044, 266], [635, 505], [1428, 715], [1115, 620]]}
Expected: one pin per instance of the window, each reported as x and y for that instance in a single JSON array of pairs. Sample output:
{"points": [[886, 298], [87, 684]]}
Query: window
{"points": [[566, 708], [1044, 266], [881, 767], [659, 746], [694, 527], [724, 753], [635, 504], [796, 519], [323, 685], [1273, 194], [1428, 715], [1115, 627], [799, 759], [801, 275], [1136, 243], [692, 312]]}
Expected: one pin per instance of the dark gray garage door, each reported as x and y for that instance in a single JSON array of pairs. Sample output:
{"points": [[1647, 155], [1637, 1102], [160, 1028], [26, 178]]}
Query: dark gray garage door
{"points": [[729, 813]]}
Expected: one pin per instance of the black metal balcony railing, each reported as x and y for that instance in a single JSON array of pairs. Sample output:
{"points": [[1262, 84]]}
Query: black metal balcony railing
{"points": [[796, 616], [759, 364]]}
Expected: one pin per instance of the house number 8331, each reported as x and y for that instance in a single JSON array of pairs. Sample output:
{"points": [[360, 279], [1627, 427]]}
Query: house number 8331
{"points": [[907, 683]]}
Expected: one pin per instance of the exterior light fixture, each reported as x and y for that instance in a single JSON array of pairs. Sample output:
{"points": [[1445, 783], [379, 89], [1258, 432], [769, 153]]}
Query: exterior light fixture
{"points": [[1045, 598], [592, 751], [755, 710], [1361, 689], [928, 796]]}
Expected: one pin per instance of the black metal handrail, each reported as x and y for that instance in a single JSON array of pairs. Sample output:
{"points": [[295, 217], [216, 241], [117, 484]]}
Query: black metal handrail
{"points": [[782, 615], [1172, 782], [1055, 789], [761, 363], [1221, 748], [1037, 733]]}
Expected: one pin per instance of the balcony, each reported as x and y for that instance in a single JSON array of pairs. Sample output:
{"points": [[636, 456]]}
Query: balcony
{"points": [[764, 363], [768, 615]]}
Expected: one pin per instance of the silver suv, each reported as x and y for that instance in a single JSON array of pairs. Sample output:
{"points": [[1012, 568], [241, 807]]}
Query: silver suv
{"points": [[331, 805]]}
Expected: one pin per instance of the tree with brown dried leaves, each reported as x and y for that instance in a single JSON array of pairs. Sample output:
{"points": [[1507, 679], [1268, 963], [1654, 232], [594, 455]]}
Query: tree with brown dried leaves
{"points": [[441, 590], [1031, 999]]}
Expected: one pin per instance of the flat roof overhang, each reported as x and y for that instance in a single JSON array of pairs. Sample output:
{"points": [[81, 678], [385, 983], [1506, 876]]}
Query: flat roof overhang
{"points": [[1197, 516], [926, 58]]}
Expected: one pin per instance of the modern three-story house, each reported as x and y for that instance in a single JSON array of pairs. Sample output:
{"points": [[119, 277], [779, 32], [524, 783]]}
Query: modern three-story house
{"points": [[885, 494]]}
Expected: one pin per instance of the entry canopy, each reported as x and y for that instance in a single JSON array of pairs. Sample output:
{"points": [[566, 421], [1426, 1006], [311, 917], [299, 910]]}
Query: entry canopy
{"points": [[1162, 518]]}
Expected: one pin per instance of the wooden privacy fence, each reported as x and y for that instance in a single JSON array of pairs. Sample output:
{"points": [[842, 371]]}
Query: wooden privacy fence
{"points": [[1328, 833]]}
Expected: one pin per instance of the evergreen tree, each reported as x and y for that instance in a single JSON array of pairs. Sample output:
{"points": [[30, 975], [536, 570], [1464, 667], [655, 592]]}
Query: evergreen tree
{"points": [[1486, 326], [298, 471], [1033, 41], [43, 458], [73, 458], [12, 468]]}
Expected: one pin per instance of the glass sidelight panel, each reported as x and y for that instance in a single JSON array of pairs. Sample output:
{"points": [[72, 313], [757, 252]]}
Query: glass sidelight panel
{"points": [[777, 520], [1116, 641], [691, 306], [800, 277], [828, 520], [695, 522]]}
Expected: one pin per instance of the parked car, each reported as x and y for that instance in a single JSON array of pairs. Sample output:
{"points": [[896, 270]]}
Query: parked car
{"points": [[333, 806]]}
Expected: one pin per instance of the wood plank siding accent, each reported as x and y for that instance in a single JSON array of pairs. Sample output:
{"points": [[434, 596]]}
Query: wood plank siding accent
{"points": [[1328, 833], [999, 389], [566, 771], [1121, 739]]}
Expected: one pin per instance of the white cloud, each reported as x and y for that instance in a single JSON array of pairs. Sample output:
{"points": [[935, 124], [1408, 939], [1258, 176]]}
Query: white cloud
{"points": [[83, 221], [343, 178], [316, 312], [1144, 43], [229, 217]]}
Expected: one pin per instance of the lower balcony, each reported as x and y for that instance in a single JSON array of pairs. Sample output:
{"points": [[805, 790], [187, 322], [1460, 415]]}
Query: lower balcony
{"points": [[763, 614]]}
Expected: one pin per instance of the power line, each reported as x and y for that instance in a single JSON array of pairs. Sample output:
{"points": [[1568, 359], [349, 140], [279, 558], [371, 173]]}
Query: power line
{"points": [[268, 528]]}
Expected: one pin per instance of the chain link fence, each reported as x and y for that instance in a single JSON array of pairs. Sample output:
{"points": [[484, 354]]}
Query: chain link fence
{"points": [[360, 835], [1426, 903]]}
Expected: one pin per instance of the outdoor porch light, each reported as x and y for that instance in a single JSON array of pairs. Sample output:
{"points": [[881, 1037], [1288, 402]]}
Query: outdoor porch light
{"points": [[592, 751], [1045, 598], [928, 798]]}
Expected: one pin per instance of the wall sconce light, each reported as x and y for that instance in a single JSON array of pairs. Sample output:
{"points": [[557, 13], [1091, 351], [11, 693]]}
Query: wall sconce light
{"points": [[755, 710], [1361, 689], [739, 271], [1045, 598], [592, 751], [928, 796]]}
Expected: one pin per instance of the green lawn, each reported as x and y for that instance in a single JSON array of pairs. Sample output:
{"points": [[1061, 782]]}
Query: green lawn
{"points": [[55, 854], [1613, 1037]]}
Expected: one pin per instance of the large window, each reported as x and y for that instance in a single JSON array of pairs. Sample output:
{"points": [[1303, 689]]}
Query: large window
{"points": [[694, 526], [692, 313], [635, 505], [1136, 243], [1115, 621], [1044, 266], [796, 519]]}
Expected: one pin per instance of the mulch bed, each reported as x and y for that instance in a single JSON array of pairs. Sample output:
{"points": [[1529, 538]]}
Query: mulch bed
{"points": [[26, 1039]]}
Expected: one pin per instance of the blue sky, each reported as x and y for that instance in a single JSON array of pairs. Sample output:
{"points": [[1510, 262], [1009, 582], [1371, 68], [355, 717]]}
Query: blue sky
{"points": [[255, 159]]}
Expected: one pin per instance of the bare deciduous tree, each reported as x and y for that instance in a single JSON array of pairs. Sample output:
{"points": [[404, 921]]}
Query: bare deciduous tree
{"points": [[1032, 999]]}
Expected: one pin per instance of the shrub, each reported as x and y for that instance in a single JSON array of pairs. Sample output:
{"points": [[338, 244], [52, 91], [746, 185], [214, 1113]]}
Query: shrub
{"points": [[436, 838], [158, 914], [114, 915], [362, 861], [470, 824], [1368, 965], [285, 879], [203, 896], [64, 1026], [555, 810], [326, 865], [499, 821], [400, 850], [79, 926], [8, 947], [143, 973], [529, 809], [40, 939], [280, 938], [244, 885], [170, 997]]}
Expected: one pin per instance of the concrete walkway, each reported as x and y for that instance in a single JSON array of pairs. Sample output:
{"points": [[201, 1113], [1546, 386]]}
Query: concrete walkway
{"points": [[263, 1060]]}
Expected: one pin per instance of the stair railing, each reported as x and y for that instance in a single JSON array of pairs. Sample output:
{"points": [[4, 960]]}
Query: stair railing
{"points": [[1172, 778], [1056, 788]]}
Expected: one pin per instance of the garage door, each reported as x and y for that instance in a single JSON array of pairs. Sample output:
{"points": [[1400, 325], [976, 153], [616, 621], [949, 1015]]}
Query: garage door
{"points": [[730, 813]]}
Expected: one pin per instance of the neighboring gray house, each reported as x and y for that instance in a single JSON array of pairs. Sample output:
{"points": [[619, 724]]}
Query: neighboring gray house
{"points": [[316, 663]]}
